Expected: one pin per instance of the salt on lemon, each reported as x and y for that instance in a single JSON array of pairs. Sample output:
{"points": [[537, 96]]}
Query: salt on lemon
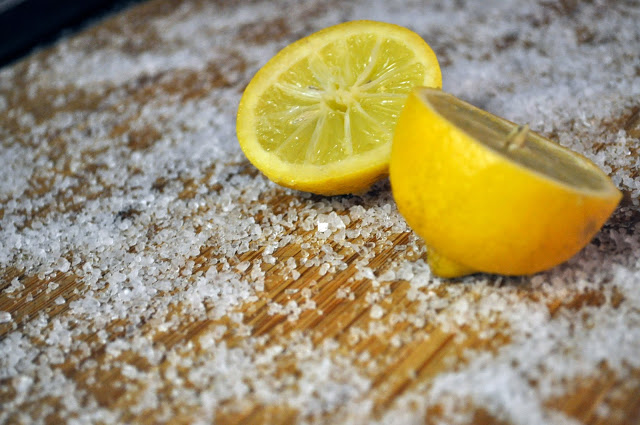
{"points": [[319, 116], [489, 196]]}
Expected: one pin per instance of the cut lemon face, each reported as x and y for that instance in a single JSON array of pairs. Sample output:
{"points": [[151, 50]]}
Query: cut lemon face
{"points": [[320, 115], [487, 195]]}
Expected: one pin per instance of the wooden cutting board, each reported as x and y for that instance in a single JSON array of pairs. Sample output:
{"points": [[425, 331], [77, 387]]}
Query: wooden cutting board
{"points": [[151, 275]]}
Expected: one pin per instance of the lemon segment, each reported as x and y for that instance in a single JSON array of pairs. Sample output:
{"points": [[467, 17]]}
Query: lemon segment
{"points": [[487, 194], [320, 115]]}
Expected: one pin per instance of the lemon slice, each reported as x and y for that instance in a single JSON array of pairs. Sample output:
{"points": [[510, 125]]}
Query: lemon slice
{"points": [[319, 116], [487, 195]]}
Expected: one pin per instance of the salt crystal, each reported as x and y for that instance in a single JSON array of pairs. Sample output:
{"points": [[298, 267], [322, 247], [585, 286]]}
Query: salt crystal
{"points": [[129, 371], [376, 312], [395, 341], [308, 305], [243, 266], [15, 286], [219, 331], [323, 227], [63, 265], [342, 293], [324, 268], [366, 273], [22, 383], [5, 317], [387, 276]]}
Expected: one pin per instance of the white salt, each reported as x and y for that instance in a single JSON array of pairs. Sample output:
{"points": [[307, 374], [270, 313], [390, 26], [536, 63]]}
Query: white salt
{"points": [[376, 311], [63, 265], [130, 221], [5, 317], [243, 266]]}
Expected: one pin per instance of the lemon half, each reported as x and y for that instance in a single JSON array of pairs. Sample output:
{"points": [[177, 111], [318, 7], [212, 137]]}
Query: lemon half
{"points": [[489, 196], [320, 115]]}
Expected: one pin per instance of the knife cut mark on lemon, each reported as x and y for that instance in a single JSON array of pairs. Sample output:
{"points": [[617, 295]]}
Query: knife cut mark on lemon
{"points": [[489, 196], [320, 115]]}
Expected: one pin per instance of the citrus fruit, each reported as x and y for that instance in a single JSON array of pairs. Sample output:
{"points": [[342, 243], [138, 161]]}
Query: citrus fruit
{"points": [[319, 116], [487, 195]]}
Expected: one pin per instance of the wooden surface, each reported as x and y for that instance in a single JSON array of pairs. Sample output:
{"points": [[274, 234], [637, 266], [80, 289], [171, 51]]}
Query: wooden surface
{"points": [[383, 338]]}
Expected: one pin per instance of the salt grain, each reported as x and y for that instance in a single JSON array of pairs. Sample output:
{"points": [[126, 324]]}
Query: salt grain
{"points": [[324, 268], [243, 266], [376, 311], [5, 317], [63, 265]]}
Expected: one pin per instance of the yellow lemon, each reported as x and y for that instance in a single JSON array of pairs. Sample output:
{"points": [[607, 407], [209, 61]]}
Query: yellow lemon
{"points": [[319, 116], [489, 196]]}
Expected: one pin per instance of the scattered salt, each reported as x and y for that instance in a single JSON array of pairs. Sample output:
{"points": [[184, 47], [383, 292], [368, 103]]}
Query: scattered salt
{"points": [[128, 217]]}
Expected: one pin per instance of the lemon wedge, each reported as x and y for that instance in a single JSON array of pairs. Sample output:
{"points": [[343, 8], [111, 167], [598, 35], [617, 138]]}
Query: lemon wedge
{"points": [[320, 115], [490, 196]]}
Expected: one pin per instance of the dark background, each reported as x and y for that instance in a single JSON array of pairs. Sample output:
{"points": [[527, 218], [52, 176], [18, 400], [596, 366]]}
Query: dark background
{"points": [[29, 24]]}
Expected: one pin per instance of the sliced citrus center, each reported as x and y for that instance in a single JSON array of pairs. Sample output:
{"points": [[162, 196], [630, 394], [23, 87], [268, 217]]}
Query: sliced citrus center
{"points": [[487, 195], [320, 115]]}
